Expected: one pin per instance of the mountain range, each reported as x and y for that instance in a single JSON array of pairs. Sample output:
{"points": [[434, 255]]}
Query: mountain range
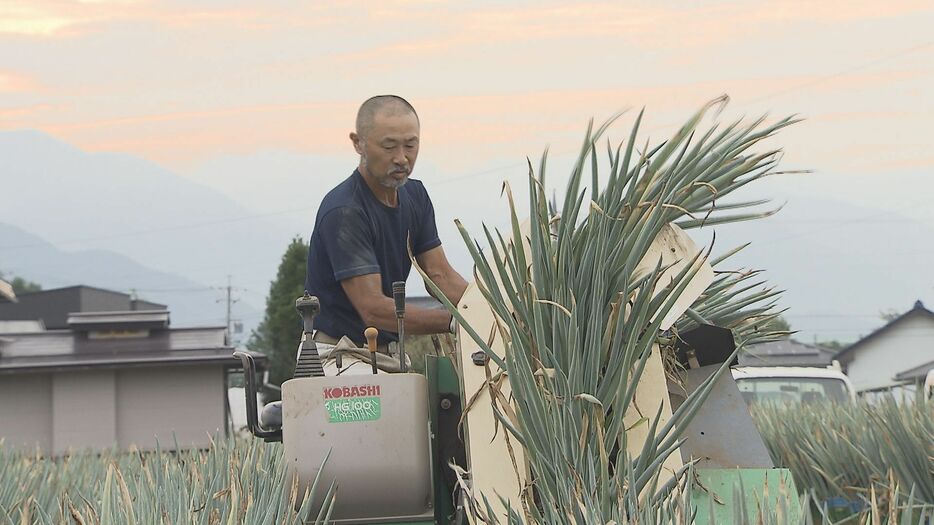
{"points": [[122, 222]]}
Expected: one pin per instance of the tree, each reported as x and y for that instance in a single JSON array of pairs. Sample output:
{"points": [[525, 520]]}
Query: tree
{"points": [[21, 286], [278, 335], [832, 344], [889, 314], [779, 324]]}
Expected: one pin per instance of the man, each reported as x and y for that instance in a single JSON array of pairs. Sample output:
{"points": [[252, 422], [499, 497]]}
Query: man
{"points": [[365, 228]]}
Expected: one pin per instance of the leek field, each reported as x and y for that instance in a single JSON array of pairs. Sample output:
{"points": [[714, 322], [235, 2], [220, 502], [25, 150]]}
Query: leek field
{"points": [[580, 309], [879, 458]]}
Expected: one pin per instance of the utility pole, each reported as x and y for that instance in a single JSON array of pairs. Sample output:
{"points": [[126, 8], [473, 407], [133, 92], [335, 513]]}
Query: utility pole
{"points": [[230, 301], [228, 306]]}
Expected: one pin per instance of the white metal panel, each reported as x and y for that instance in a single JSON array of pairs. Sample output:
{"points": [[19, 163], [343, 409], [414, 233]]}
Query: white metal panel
{"points": [[374, 431], [26, 411], [169, 404], [83, 415]]}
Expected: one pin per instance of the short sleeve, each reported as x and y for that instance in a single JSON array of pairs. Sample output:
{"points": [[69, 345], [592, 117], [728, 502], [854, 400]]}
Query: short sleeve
{"points": [[349, 243], [426, 232]]}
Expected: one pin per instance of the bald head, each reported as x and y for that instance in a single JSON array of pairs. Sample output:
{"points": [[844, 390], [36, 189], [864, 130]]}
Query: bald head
{"points": [[385, 104]]}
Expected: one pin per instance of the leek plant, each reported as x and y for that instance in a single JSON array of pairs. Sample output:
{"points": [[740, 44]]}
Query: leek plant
{"points": [[879, 453], [579, 322], [232, 482]]}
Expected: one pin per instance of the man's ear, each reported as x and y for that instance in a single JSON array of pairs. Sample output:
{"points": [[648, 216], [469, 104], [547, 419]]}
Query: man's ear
{"points": [[357, 143]]}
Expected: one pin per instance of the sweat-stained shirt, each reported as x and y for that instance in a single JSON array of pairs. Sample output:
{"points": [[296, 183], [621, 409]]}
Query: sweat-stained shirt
{"points": [[355, 234]]}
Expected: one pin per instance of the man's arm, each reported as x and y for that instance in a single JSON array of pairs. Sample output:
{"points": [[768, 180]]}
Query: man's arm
{"points": [[366, 295], [439, 270]]}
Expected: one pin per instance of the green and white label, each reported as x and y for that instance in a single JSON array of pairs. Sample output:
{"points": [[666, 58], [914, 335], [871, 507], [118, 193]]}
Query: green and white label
{"points": [[348, 410]]}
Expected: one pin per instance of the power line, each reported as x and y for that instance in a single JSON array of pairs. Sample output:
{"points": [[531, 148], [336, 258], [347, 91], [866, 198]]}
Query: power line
{"points": [[863, 219], [842, 72]]}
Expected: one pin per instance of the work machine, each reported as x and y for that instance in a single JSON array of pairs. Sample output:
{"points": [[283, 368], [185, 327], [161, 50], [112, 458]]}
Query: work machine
{"points": [[389, 436]]}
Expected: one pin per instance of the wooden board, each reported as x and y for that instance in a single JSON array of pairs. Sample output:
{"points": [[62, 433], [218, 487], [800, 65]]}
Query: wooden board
{"points": [[488, 454], [675, 248], [651, 392]]}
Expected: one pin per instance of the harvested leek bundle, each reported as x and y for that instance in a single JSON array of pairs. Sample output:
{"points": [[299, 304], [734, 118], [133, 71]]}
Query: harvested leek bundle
{"points": [[579, 322]]}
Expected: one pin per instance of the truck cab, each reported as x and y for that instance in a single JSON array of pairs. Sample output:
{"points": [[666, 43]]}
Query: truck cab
{"points": [[793, 385]]}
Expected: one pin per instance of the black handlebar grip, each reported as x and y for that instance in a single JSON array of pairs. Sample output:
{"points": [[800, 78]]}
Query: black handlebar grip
{"points": [[308, 307], [398, 296]]}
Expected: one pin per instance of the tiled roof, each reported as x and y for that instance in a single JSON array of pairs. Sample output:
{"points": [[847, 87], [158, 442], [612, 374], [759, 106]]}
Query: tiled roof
{"points": [[918, 310], [786, 352], [913, 374]]}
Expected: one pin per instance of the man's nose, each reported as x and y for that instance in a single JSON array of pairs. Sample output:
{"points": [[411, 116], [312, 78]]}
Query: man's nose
{"points": [[400, 157]]}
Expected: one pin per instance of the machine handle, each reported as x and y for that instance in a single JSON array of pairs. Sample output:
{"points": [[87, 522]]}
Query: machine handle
{"points": [[370, 334], [249, 381], [398, 296]]}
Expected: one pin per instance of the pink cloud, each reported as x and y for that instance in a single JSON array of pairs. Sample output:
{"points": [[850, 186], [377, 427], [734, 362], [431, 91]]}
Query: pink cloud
{"points": [[15, 83], [50, 18], [521, 121], [9, 116], [651, 26]]}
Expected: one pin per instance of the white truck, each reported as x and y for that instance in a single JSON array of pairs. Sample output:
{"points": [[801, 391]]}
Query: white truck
{"points": [[793, 384]]}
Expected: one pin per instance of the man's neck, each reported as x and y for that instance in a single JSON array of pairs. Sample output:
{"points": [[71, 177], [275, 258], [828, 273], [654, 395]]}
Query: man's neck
{"points": [[387, 196]]}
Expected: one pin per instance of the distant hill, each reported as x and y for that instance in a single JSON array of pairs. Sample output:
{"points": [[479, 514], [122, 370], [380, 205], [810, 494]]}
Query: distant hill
{"points": [[87, 202], [840, 264], [190, 303]]}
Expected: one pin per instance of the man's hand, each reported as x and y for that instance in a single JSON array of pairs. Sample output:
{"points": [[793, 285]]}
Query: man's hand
{"points": [[366, 294], [436, 265]]}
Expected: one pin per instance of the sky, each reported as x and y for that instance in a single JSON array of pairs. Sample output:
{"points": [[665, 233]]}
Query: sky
{"points": [[245, 97]]}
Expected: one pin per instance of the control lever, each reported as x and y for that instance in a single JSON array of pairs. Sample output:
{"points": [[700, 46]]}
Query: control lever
{"points": [[371, 334], [398, 296], [308, 362]]}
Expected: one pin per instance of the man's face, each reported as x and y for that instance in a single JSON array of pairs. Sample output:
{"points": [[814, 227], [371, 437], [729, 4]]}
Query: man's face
{"points": [[388, 151]]}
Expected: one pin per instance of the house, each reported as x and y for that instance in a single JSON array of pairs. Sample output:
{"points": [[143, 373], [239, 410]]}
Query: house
{"points": [[111, 378], [785, 352], [53, 306], [915, 377], [888, 358]]}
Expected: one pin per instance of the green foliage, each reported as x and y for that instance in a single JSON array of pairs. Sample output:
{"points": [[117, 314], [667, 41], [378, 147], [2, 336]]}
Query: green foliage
{"points": [[860, 451], [832, 344], [889, 314], [244, 482], [779, 324], [233, 482], [21, 286], [278, 335]]}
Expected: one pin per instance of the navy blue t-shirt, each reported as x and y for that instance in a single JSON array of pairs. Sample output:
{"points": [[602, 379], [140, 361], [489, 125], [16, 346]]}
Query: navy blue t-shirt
{"points": [[355, 234]]}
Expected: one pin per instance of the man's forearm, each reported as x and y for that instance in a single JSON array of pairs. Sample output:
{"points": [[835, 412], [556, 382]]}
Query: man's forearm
{"points": [[418, 320], [452, 285]]}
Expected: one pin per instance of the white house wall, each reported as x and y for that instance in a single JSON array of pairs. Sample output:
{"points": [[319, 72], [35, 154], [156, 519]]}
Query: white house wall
{"points": [[908, 344], [97, 409], [83, 410], [26, 411], [154, 403]]}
